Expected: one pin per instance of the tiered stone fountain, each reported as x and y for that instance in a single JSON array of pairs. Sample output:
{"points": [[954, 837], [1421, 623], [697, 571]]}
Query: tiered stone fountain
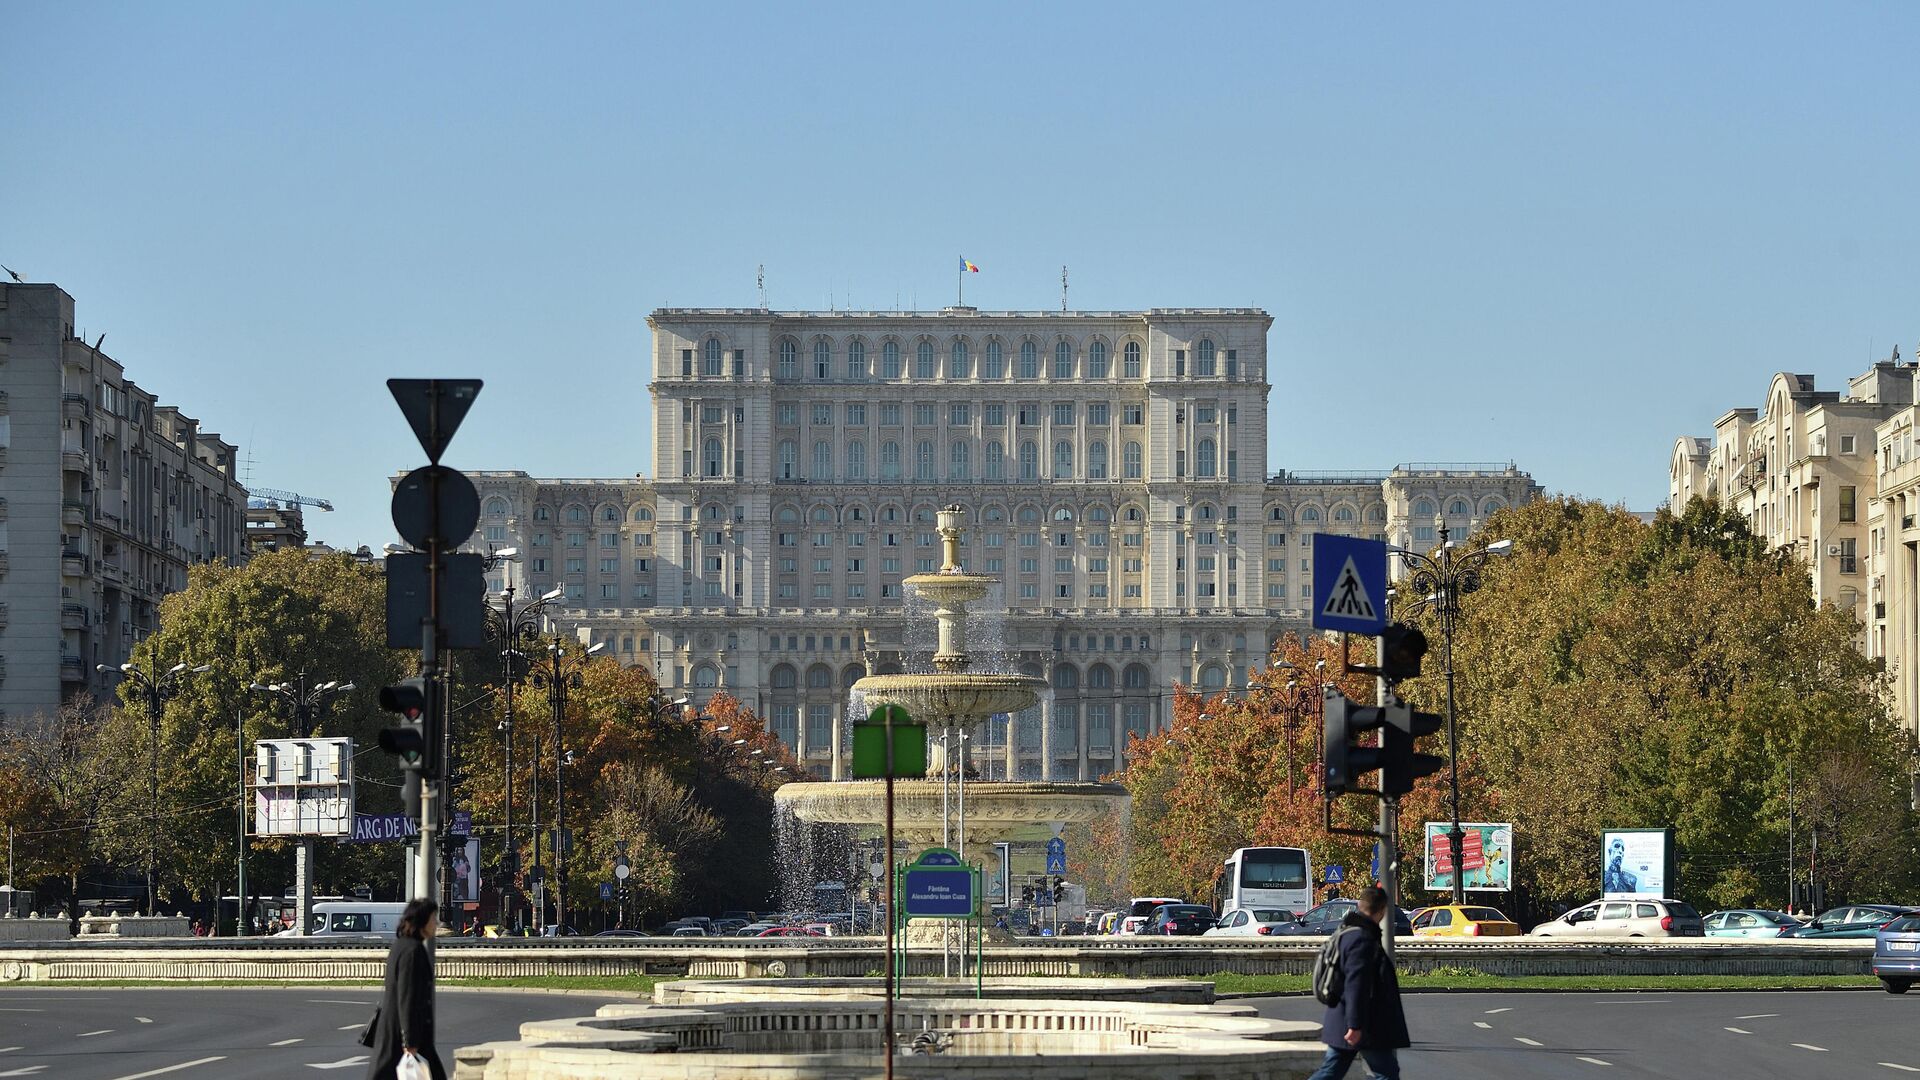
{"points": [[953, 696]]}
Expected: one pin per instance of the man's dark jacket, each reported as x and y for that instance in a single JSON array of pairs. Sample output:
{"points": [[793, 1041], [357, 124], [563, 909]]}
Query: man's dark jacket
{"points": [[1370, 1001], [406, 1011]]}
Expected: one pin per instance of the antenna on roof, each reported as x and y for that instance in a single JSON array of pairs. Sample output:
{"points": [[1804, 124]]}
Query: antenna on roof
{"points": [[1063, 288], [760, 281]]}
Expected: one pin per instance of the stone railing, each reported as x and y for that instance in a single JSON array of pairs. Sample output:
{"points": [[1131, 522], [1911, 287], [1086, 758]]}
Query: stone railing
{"points": [[319, 959], [34, 928], [135, 926]]}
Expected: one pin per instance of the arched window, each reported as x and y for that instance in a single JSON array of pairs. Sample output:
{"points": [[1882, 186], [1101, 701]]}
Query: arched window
{"points": [[789, 459], [1097, 513], [706, 676], [1062, 460], [1066, 677], [1423, 507], [959, 462], [1213, 677], [643, 514], [1343, 513], [710, 357], [1459, 507], [714, 513], [496, 507], [1130, 360], [713, 455], [1062, 360], [1133, 514], [1277, 514], [996, 363], [787, 516], [1490, 505], [889, 461], [856, 460], [1135, 677], [958, 365], [819, 677], [1376, 512], [1063, 514], [1204, 458], [576, 513], [822, 460], [1309, 514], [1029, 460], [1203, 357], [996, 464], [611, 513], [856, 360], [1029, 360], [890, 360], [821, 515], [822, 359], [1097, 360], [1028, 515], [1096, 460], [923, 460], [1130, 461], [1099, 677], [923, 366], [784, 677], [789, 359], [1204, 512], [541, 513]]}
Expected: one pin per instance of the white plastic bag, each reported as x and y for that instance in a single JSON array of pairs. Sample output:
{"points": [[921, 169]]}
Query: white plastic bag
{"points": [[412, 1067]]}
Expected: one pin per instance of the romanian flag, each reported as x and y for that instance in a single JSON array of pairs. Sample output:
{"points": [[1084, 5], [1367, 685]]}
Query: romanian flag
{"points": [[967, 266]]}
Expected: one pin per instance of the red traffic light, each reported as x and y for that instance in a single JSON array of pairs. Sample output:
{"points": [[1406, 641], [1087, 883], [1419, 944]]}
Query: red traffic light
{"points": [[407, 697]]}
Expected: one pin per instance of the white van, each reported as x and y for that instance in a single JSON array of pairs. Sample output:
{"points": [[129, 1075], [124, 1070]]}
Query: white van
{"points": [[355, 917]]}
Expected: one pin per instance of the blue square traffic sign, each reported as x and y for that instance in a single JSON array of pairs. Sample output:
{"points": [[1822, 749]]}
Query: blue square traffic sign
{"points": [[1349, 584]]}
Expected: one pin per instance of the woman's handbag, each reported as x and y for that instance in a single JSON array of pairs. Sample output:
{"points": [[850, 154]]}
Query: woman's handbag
{"points": [[373, 1025]]}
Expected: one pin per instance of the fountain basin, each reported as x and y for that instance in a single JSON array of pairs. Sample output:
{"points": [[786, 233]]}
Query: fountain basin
{"points": [[964, 697], [1001, 810]]}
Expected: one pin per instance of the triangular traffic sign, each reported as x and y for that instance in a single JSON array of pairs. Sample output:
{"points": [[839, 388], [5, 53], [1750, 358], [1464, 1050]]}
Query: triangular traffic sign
{"points": [[434, 409], [1348, 598]]}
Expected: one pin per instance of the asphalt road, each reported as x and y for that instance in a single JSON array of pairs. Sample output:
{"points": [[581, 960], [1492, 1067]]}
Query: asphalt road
{"points": [[235, 1034], [1822, 1035]]}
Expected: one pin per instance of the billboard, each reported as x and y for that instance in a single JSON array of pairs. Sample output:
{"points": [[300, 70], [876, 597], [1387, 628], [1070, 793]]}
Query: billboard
{"points": [[1486, 856], [1636, 862], [303, 787], [466, 874]]}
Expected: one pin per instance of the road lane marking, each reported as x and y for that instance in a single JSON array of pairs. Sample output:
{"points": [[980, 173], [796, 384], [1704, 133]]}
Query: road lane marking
{"points": [[8, 1049], [91, 1034], [24, 1070], [23, 1010], [1490, 1012], [1524, 1039], [1756, 1016], [1739, 1031], [339, 1001], [343, 1063], [1810, 1046], [144, 1019], [1595, 1061], [1635, 1001], [351, 1027], [1902, 1068], [1483, 1024], [171, 1068], [286, 1042]]}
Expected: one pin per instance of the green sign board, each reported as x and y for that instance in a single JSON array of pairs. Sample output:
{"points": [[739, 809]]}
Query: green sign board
{"points": [[938, 885], [870, 745]]}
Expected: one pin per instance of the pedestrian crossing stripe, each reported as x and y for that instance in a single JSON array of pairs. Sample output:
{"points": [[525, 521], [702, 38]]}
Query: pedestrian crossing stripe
{"points": [[1348, 598]]}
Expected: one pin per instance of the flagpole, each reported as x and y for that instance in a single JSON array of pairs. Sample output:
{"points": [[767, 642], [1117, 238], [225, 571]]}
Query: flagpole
{"points": [[960, 284]]}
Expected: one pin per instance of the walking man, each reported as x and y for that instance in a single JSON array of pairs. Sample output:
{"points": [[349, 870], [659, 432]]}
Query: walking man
{"points": [[1367, 1022]]}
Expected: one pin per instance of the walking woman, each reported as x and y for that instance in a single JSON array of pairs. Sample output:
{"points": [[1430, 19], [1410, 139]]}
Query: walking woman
{"points": [[405, 1024]]}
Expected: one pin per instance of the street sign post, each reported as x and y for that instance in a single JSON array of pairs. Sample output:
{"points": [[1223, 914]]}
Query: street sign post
{"points": [[1056, 856], [606, 890], [1349, 584], [1335, 874], [938, 885]]}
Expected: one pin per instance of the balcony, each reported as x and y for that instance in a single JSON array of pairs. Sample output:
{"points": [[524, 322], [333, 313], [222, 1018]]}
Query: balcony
{"points": [[73, 564], [73, 406], [73, 461], [72, 670], [73, 512], [73, 617]]}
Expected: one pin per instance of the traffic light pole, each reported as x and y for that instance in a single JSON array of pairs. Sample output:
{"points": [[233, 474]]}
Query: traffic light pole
{"points": [[1389, 815]]}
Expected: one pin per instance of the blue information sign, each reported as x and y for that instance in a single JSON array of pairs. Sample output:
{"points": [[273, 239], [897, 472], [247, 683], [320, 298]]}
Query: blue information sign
{"points": [[1056, 856], [1349, 584], [1335, 874], [939, 893], [606, 890]]}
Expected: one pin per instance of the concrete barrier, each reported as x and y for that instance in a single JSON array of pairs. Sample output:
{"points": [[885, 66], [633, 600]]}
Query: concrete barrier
{"points": [[321, 960]]}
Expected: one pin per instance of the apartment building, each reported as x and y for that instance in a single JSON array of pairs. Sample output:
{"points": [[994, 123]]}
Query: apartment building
{"points": [[1112, 466], [106, 498]]}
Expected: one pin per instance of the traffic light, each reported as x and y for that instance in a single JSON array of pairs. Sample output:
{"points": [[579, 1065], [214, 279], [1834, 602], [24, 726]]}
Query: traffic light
{"points": [[1059, 889], [1026, 893], [412, 739], [1401, 648], [1341, 722], [1400, 765]]}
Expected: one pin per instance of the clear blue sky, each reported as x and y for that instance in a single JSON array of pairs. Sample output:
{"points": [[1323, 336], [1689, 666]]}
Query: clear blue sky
{"points": [[1485, 231]]}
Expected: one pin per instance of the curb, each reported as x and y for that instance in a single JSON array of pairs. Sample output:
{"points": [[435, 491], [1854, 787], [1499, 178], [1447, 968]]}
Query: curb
{"points": [[1408, 990]]}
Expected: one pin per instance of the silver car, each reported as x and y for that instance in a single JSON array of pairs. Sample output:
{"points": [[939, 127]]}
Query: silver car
{"points": [[1250, 922], [1626, 919]]}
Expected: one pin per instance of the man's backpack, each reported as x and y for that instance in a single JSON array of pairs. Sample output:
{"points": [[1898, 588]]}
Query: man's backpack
{"points": [[1329, 978]]}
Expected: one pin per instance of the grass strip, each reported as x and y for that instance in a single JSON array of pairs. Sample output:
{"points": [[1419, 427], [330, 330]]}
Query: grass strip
{"points": [[1228, 983]]}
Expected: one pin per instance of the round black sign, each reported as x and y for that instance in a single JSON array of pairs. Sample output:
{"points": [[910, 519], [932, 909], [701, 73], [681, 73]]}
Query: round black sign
{"points": [[414, 504]]}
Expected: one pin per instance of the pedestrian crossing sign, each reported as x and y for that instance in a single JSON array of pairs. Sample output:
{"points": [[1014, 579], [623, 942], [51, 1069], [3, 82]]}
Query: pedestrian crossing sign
{"points": [[1349, 584]]}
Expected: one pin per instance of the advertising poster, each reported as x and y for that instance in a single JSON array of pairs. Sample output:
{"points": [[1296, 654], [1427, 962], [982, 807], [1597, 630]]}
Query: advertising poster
{"points": [[466, 875], [1486, 856], [1636, 862]]}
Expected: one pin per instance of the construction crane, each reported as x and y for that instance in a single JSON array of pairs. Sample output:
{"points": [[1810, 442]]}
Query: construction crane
{"points": [[273, 496]]}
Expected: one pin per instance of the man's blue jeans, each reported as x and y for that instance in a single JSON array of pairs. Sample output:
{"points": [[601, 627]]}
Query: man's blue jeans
{"points": [[1381, 1061]]}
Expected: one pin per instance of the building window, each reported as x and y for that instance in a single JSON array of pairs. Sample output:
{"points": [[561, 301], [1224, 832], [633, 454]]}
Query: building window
{"points": [[1849, 561], [957, 413], [995, 461], [822, 359], [958, 365], [993, 414], [1062, 360], [710, 361], [959, 462], [789, 459], [1848, 504], [789, 359], [1203, 358], [1203, 465], [1062, 460], [923, 461], [923, 365], [822, 460], [1130, 360], [890, 461], [1096, 460], [856, 360], [996, 363], [686, 363], [1847, 444], [1179, 463], [856, 460], [1097, 360], [1130, 461], [1029, 460], [890, 360], [713, 457], [1029, 360]]}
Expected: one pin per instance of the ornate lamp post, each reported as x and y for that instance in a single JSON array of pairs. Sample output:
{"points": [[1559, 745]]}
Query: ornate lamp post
{"points": [[304, 701], [511, 626], [157, 690], [1437, 582], [556, 675]]}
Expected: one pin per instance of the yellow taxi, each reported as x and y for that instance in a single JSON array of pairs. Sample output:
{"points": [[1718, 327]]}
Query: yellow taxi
{"points": [[1449, 920]]}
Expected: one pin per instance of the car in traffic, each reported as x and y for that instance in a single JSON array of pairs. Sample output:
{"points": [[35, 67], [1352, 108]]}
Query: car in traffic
{"points": [[1896, 953], [1626, 919], [1849, 921], [556, 930], [1250, 922], [1463, 920], [791, 931], [1749, 923], [1326, 917], [1139, 911], [689, 931], [1180, 920]]}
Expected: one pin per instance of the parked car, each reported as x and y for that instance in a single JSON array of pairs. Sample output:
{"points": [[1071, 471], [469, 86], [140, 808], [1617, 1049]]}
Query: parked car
{"points": [[1896, 953], [1326, 917], [753, 929], [689, 931], [723, 927], [1750, 923], [623, 933], [1251, 922], [1851, 921], [556, 930], [1449, 920], [1626, 919], [1180, 920]]}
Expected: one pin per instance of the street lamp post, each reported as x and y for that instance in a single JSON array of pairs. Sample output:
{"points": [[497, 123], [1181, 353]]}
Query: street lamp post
{"points": [[1437, 582], [303, 700], [157, 691], [513, 625], [557, 676]]}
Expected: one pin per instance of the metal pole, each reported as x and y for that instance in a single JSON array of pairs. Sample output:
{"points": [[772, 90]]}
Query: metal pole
{"points": [[539, 890], [886, 1030], [1447, 598], [153, 820], [512, 868], [1792, 869], [240, 749], [559, 792]]}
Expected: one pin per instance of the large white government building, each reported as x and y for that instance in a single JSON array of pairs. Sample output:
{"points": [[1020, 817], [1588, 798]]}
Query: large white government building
{"points": [[1113, 470]]}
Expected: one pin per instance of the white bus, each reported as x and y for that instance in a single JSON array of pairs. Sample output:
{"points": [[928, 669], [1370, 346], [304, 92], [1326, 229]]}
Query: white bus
{"points": [[1267, 877]]}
